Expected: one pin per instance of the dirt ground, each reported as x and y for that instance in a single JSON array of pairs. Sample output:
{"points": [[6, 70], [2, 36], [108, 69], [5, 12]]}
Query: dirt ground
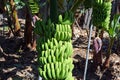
{"points": [[16, 64], [79, 57]]}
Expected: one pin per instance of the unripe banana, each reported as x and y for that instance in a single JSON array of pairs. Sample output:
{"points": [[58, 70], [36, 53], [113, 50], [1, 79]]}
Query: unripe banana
{"points": [[53, 71], [44, 75], [40, 71], [49, 71]]}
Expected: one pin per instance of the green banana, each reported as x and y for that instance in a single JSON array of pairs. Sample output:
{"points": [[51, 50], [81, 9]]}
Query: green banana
{"points": [[53, 71], [52, 52], [45, 67], [69, 29], [65, 36], [49, 59], [44, 60], [60, 18], [69, 77], [57, 53], [40, 71], [49, 71], [65, 28], [62, 36], [59, 64], [55, 42], [53, 59], [51, 45], [43, 53], [46, 54], [57, 28], [60, 43], [44, 75], [57, 70], [46, 46], [62, 74], [41, 60], [60, 28], [43, 47]]}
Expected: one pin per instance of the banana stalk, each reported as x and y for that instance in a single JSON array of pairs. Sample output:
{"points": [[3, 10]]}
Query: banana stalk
{"points": [[53, 10]]}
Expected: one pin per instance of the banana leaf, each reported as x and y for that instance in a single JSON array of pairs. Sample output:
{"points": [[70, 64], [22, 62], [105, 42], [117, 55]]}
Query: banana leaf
{"points": [[114, 28]]}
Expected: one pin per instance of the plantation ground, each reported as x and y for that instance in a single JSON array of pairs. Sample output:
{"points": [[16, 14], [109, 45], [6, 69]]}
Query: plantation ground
{"points": [[17, 64]]}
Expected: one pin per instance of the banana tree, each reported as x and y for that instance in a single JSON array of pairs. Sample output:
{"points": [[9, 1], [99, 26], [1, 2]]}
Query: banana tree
{"points": [[71, 5], [100, 19], [118, 49], [113, 30], [31, 9], [10, 7], [15, 18], [54, 45]]}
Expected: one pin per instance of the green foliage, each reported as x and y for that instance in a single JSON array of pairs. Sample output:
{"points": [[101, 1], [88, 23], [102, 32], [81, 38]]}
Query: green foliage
{"points": [[53, 10], [75, 5], [68, 18], [69, 5], [34, 6], [19, 4], [44, 28], [114, 31], [88, 3], [101, 14], [114, 28]]}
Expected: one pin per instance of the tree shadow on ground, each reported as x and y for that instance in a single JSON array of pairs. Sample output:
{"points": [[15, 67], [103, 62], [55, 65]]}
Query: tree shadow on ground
{"points": [[15, 64], [81, 40], [18, 65], [79, 66]]}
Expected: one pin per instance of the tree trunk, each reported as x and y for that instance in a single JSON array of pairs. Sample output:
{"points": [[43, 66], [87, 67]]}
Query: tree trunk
{"points": [[101, 34], [28, 29], [118, 45], [106, 64], [97, 57], [53, 11], [34, 42], [15, 19], [2, 6], [97, 60]]}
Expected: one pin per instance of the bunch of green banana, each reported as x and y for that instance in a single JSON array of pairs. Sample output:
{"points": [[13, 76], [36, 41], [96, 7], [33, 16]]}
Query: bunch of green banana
{"points": [[33, 4], [101, 13], [56, 70], [63, 32], [44, 29], [54, 50], [55, 59]]}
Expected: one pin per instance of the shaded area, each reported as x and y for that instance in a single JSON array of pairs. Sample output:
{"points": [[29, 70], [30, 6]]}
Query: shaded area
{"points": [[80, 42], [15, 63], [112, 73], [79, 57]]}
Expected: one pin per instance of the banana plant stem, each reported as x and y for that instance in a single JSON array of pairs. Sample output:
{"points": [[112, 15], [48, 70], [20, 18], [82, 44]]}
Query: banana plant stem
{"points": [[110, 46], [87, 53]]}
